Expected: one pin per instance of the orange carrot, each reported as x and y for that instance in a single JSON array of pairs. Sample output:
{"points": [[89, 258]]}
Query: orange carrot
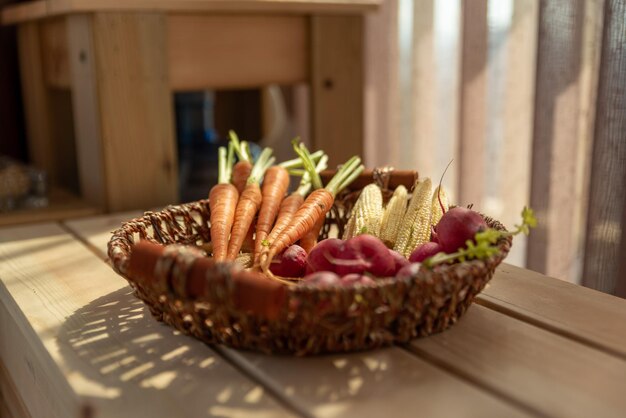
{"points": [[309, 240], [316, 205], [248, 241], [223, 199], [288, 208], [241, 172], [248, 205], [292, 203], [275, 186]]}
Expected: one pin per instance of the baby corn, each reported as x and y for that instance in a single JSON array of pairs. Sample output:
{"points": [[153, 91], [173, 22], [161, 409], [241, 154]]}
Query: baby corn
{"points": [[393, 215], [437, 213], [367, 212], [415, 228]]}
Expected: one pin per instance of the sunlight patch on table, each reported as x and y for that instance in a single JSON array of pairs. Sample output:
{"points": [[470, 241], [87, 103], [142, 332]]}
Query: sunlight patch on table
{"points": [[159, 381]]}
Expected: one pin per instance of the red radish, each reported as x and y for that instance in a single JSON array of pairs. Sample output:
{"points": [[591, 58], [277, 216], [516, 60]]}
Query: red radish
{"points": [[457, 226], [320, 257], [408, 271], [425, 250], [291, 263], [361, 279], [399, 260], [365, 253], [323, 279]]}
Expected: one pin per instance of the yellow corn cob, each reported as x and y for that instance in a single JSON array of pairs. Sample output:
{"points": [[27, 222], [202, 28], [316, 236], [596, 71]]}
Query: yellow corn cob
{"points": [[348, 232], [392, 218], [369, 211], [416, 223], [366, 214], [436, 212]]}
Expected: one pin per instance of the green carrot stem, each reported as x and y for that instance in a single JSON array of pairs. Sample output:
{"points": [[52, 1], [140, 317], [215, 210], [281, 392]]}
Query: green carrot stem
{"points": [[343, 174], [308, 164], [297, 172], [241, 153], [305, 184], [259, 167], [356, 173], [223, 171], [245, 147], [297, 162]]}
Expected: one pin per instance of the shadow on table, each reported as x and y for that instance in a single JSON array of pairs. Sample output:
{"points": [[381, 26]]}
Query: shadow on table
{"points": [[113, 347], [116, 345]]}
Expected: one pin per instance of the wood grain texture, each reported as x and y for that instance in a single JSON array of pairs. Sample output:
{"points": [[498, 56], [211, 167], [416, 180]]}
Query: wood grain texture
{"points": [[551, 375], [552, 246], [607, 192], [24, 12], [371, 384], [282, 6], [76, 342], [473, 105], [61, 205], [86, 109], [337, 86], [33, 10], [54, 51], [228, 51], [95, 232], [595, 318], [11, 404], [39, 123], [135, 108]]}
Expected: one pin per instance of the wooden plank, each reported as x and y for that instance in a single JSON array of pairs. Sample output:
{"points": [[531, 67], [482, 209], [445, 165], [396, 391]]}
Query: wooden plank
{"points": [[347, 385], [24, 12], [33, 10], [229, 51], [371, 384], [244, 6], [529, 365], [607, 192], [62, 205], [39, 123], [588, 316], [337, 86], [78, 343], [552, 246], [96, 231], [135, 110], [11, 405], [473, 103], [516, 117], [86, 109], [54, 51], [381, 86]]}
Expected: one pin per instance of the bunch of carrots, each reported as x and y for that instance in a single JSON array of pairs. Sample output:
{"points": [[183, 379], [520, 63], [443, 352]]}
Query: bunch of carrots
{"points": [[250, 208]]}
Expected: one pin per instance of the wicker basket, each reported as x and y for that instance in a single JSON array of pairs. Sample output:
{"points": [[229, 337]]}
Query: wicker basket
{"points": [[306, 319]]}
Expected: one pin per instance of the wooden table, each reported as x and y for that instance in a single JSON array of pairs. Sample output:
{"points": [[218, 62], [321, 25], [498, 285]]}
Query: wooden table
{"points": [[74, 342], [123, 60]]}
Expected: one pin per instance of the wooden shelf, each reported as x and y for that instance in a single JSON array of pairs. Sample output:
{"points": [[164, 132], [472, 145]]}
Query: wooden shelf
{"points": [[63, 205]]}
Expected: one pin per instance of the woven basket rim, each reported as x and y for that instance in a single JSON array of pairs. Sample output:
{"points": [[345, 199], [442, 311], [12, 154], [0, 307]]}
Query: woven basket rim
{"points": [[303, 287]]}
